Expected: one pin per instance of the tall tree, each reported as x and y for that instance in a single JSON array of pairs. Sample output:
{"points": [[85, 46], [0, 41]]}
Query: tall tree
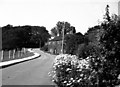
{"points": [[9, 37], [107, 14], [58, 29], [39, 35], [23, 36], [72, 42], [54, 32]]}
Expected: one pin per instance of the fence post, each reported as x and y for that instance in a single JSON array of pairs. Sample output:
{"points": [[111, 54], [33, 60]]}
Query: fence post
{"points": [[21, 52], [24, 50], [13, 53], [9, 53], [2, 55], [18, 53]]}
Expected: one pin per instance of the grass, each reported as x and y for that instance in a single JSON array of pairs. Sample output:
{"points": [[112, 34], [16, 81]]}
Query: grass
{"points": [[23, 55]]}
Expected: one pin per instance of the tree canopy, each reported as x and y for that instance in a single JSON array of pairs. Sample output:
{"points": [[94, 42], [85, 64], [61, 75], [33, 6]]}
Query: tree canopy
{"points": [[23, 36], [72, 41], [58, 29]]}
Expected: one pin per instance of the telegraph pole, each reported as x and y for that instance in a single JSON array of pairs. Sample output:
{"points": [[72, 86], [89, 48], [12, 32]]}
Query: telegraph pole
{"points": [[1, 52], [63, 38], [119, 8]]}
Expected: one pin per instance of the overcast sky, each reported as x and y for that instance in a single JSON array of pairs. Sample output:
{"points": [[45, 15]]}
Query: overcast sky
{"points": [[79, 13]]}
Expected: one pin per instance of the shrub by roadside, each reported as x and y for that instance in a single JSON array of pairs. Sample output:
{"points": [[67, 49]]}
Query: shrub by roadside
{"points": [[69, 71]]}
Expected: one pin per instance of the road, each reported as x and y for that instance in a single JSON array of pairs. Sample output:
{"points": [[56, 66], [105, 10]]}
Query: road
{"points": [[33, 72]]}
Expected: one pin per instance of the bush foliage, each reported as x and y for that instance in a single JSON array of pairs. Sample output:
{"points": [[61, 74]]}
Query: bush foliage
{"points": [[68, 71], [97, 63]]}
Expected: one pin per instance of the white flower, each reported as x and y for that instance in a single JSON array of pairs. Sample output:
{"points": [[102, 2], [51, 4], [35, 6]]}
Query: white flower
{"points": [[54, 75], [68, 69], [71, 78], [68, 84], [54, 71], [81, 75], [79, 70], [65, 82], [70, 60], [119, 76], [79, 80], [53, 80], [49, 73]]}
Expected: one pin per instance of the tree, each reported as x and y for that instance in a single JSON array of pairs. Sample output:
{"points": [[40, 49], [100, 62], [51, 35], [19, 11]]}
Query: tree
{"points": [[58, 29], [39, 35], [107, 16], [111, 51], [24, 36], [72, 42], [108, 63], [73, 29], [54, 32], [9, 38], [103, 46]]}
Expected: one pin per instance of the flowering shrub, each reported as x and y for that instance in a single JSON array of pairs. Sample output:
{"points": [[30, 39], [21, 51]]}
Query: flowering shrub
{"points": [[68, 71]]}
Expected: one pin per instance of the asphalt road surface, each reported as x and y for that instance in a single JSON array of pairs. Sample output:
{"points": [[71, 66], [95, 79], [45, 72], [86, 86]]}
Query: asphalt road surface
{"points": [[33, 72]]}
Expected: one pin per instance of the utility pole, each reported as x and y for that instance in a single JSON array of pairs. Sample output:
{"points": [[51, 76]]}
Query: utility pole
{"points": [[119, 8], [1, 52], [63, 38]]}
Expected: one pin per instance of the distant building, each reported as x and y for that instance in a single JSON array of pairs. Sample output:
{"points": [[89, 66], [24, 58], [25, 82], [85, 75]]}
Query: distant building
{"points": [[119, 8], [55, 43]]}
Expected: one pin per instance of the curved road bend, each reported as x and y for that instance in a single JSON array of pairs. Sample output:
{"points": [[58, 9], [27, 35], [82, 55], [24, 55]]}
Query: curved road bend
{"points": [[33, 72]]}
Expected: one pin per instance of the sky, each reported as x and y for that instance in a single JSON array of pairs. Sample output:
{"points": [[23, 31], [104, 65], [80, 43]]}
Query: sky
{"points": [[81, 14]]}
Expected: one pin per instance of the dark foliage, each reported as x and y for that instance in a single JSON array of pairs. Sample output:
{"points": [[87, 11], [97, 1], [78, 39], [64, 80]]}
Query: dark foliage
{"points": [[111, 51], [102, 44], [72, 42], [44, 48], [23, 36]]}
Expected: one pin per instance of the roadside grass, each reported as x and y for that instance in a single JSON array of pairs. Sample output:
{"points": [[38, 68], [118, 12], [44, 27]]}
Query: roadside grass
{"points": [[16, 56]]}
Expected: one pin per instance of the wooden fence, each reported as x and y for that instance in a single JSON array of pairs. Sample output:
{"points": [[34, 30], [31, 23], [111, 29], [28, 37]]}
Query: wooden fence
{"points": [[12, 54]]}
